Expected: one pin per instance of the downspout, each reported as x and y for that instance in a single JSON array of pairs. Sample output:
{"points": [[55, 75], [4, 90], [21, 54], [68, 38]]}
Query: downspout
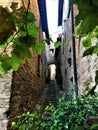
{"points": [[74, 52]]}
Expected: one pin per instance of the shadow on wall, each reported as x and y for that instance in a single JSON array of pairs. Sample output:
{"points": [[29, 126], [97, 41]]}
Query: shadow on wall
{"points": [[58, 63]]}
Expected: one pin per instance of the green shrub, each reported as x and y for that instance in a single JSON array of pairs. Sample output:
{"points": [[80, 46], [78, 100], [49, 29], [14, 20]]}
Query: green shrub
{"points": [[74, 115], [27, 121], [69, 115]]}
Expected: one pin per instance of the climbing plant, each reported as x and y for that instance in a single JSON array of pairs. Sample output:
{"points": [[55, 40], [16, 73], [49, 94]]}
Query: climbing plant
{"points": [[18, 33]]}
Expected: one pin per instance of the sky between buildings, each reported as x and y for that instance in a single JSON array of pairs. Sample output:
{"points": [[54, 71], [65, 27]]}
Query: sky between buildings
{"points": [[52, 15]]}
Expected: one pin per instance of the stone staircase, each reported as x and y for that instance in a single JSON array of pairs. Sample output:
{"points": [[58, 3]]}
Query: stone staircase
{"points": [[50, 96]]}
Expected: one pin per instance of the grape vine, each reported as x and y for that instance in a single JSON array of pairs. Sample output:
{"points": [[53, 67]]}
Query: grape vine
{"points": [[18, 33]]}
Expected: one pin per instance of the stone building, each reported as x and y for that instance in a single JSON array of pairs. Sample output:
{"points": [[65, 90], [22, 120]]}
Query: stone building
{"points": [[68, 65], [77, 71], [20, 90]]}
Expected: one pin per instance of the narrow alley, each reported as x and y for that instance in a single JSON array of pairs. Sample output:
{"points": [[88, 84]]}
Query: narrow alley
{"points": [[53, 51]]}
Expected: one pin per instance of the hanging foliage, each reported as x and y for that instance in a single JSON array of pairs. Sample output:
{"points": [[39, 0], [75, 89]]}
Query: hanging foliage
{"points": [[86, 22], [87, 18], [18, 33]]}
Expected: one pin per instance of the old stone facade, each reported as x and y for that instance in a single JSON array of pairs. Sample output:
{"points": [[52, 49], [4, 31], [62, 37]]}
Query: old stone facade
{"points": [[5, 91], [85, 66], [20, 90], [67, 62], [67, 59]]}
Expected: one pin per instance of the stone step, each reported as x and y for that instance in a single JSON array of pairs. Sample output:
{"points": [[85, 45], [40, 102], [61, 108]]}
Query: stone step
{"points": [[49, 96]]}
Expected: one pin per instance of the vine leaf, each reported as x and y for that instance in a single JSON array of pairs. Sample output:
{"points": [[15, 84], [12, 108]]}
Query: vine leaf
{"points": [[91, 50], [39, 48], [32, 29], [17, 27], [31, 17], [57, 44], [87, 41], [15, 62]]}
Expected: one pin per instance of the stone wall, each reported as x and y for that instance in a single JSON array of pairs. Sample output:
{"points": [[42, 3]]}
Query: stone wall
{"points": [[67, 58], [8, 2], [22, 88], [27, 86], [28, 81], [5, 84], [86, 66], [5, 90]]}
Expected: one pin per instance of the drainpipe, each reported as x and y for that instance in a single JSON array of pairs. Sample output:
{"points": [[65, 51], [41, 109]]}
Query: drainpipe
{"points": [[74, 52]]}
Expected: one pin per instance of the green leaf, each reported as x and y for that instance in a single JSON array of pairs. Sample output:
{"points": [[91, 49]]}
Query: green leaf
{"points": [[8, 63], [26, 51], [21, 48], [23, 22], [32, 29], [39, 48], [3, 46], [87, 17], [31, 17], [95, 50], [93, 126], [66, 126], [22, 51], [15, 62], [91, 50], [10, 39], [57, 44], [5, 63], [28, 40], [86, 41], [22, 31], [1, 68], [13, 124], [48, 41]]}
